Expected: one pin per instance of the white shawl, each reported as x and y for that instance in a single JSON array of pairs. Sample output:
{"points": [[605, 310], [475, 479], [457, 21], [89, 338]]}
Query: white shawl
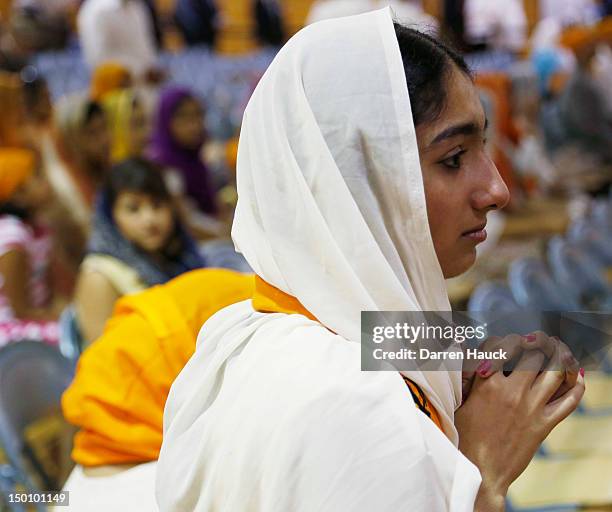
{"points": [[272, 413]]}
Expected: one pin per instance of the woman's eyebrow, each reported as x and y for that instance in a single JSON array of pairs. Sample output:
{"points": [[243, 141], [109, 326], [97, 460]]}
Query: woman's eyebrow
{"points": [[459, 129]]}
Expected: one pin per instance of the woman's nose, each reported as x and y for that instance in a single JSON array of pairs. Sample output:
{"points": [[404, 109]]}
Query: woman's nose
{"points": [[492, 192]]}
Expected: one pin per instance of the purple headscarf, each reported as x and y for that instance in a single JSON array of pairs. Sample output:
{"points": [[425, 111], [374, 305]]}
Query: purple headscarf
{"points": [[165, 151]]}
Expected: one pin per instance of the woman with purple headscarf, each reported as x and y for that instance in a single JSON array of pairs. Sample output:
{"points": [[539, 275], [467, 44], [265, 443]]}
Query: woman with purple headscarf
{"points": [[177, 141]]}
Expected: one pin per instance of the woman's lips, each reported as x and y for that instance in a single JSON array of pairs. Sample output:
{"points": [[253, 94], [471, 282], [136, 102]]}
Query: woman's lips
{"points": [[478, 236]]}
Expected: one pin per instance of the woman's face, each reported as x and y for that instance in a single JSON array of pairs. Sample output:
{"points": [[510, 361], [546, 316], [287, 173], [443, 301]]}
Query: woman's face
{"points": [[139, 130], [143, 220], [187, 124], [461, 182]]}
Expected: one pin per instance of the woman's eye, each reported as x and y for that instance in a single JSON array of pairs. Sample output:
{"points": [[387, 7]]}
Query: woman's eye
{"points": [[454, 161]]}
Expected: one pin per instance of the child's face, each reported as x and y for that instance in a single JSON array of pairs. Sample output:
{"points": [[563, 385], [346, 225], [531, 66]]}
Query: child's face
{"points": [[187, 124], [143, 220]]}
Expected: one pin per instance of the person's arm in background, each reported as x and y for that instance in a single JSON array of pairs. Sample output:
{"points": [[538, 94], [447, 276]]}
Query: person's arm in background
{"points": [[15, 274], [94, 301]]}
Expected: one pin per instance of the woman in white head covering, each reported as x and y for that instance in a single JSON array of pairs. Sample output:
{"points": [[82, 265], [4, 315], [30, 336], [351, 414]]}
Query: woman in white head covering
{"points": [[335, 216]]}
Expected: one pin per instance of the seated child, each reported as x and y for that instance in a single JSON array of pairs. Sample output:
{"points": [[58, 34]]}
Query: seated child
{"points": [[26, 307], [137, 241]]}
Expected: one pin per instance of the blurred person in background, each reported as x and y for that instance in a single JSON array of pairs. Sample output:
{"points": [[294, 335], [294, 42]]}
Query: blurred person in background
{"points": [[495, 25], [83, 142], [602, 60], [554, 18], [67, 213], [122, 381], [13, 132], [198, 21], [107, 77], [137, 241], [454, 23], [41, 25], [158, 35], [128, 123], [120, 31], [27, 308], [269, 24], [580, 118], [37, 99], [570, 12], [177, 144]]}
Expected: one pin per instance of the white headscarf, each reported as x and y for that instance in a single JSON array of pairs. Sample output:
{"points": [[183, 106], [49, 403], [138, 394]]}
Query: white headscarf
{"points": [[332, 211]]}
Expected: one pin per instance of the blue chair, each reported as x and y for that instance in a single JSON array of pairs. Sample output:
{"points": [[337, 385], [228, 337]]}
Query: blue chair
{"points": [[579, 274], [221, 254], [601, 217], [493, 303], [592, 241], [533, 287], [33, 377], [492, 296]]}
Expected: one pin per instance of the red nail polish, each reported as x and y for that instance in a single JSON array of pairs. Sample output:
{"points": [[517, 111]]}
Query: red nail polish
{"points": [[484, 367], [530, 337], [582, 372]]}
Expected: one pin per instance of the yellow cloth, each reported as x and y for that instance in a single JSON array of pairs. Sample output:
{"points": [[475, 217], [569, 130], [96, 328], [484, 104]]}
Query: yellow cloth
{"points": [[119, 106], [109, 77], [122, 380], [16, 166], [269, 299]]}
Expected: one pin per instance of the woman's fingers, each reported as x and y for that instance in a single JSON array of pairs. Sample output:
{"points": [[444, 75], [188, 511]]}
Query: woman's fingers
{"points": [[559, 409], [512, 345], [534, 349], [527, 369], [552, 378], [541, 341], [571, 370]]}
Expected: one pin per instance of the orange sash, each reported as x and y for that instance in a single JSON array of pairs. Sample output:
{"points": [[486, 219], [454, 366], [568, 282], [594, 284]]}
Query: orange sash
{"points": [[269, 299]]}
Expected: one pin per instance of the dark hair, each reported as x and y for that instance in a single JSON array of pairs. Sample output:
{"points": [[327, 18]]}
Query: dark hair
{"points": [[135, 175], [427, 65], [94, 109], [15, 211]]}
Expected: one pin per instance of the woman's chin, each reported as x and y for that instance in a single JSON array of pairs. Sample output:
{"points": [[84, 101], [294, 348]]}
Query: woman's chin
{"points": [[459, 265]]}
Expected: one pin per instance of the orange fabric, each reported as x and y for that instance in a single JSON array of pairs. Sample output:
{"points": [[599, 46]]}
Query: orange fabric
{"points": [[12, 106], [16, 167], [578, 37], [604, 30], [123, 379], [269, 299], [109, 77]]}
